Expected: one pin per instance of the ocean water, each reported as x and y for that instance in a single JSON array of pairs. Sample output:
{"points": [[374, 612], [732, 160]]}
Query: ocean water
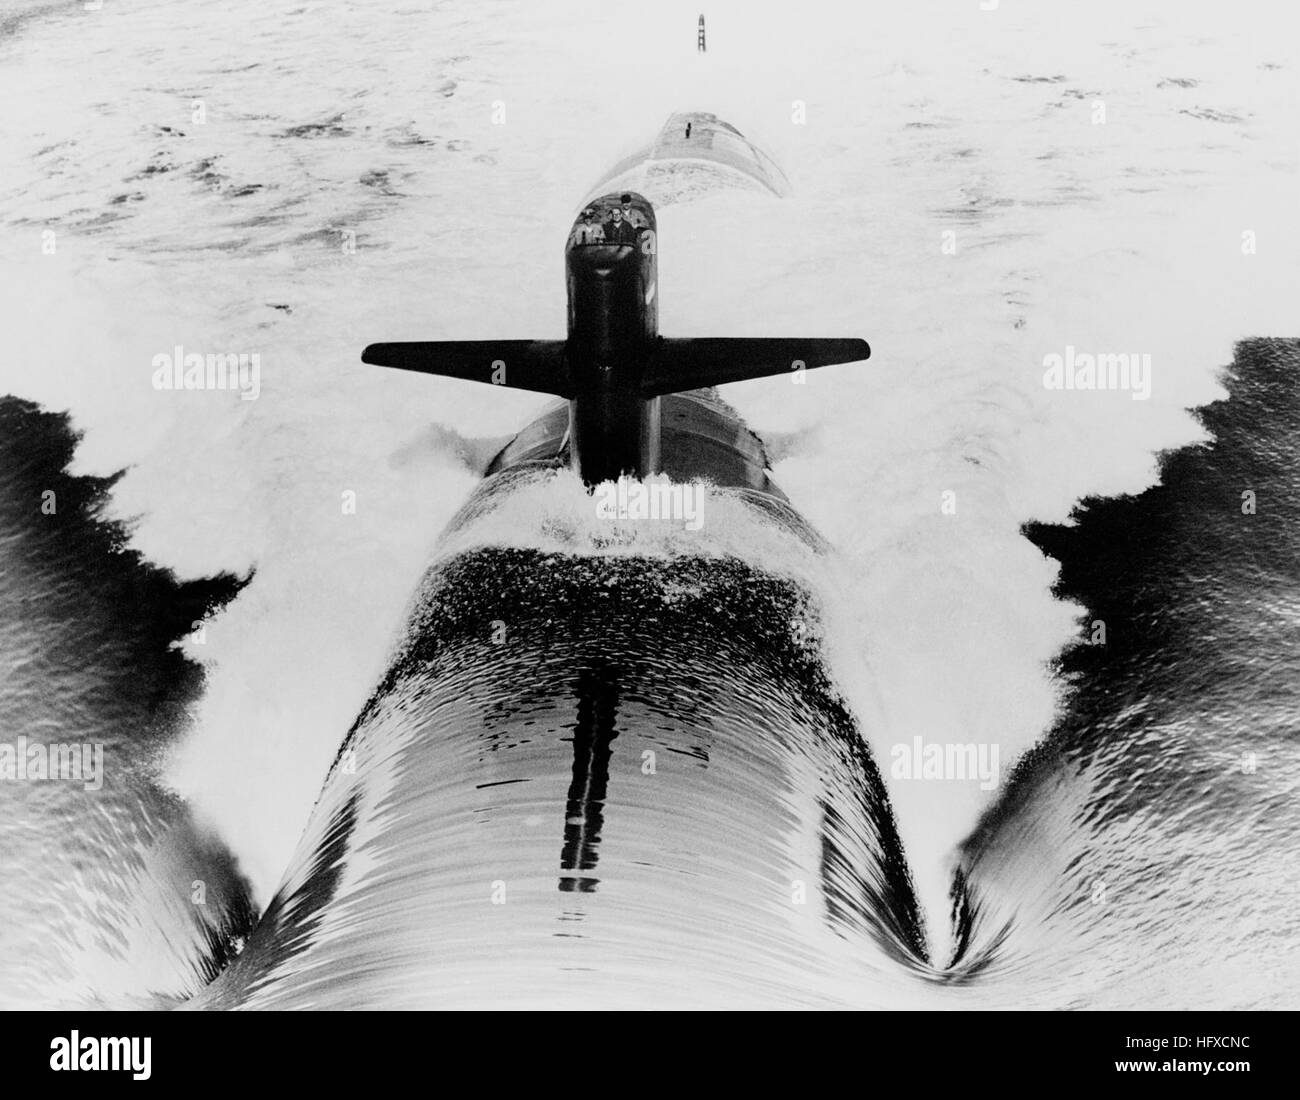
{"points": [[114, 895], [972, 191]]}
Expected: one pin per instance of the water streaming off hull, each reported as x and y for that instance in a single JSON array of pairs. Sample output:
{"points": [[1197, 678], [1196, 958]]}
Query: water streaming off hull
{"points": [[596, 781]]}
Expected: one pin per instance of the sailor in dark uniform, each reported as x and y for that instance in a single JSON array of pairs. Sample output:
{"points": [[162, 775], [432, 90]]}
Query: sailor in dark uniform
{"points": [[618, 230]]}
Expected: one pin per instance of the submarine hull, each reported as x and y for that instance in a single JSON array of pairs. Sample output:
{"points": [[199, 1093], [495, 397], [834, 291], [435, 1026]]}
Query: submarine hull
{"points": [[593, 782]]}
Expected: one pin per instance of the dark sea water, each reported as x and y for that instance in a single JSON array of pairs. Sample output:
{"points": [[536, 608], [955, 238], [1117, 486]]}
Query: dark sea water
{"points": [[1147, 853], [111, 897]]}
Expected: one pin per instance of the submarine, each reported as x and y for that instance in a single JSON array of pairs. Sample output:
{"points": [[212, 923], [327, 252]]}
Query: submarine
{"points": [[595, 776]]}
